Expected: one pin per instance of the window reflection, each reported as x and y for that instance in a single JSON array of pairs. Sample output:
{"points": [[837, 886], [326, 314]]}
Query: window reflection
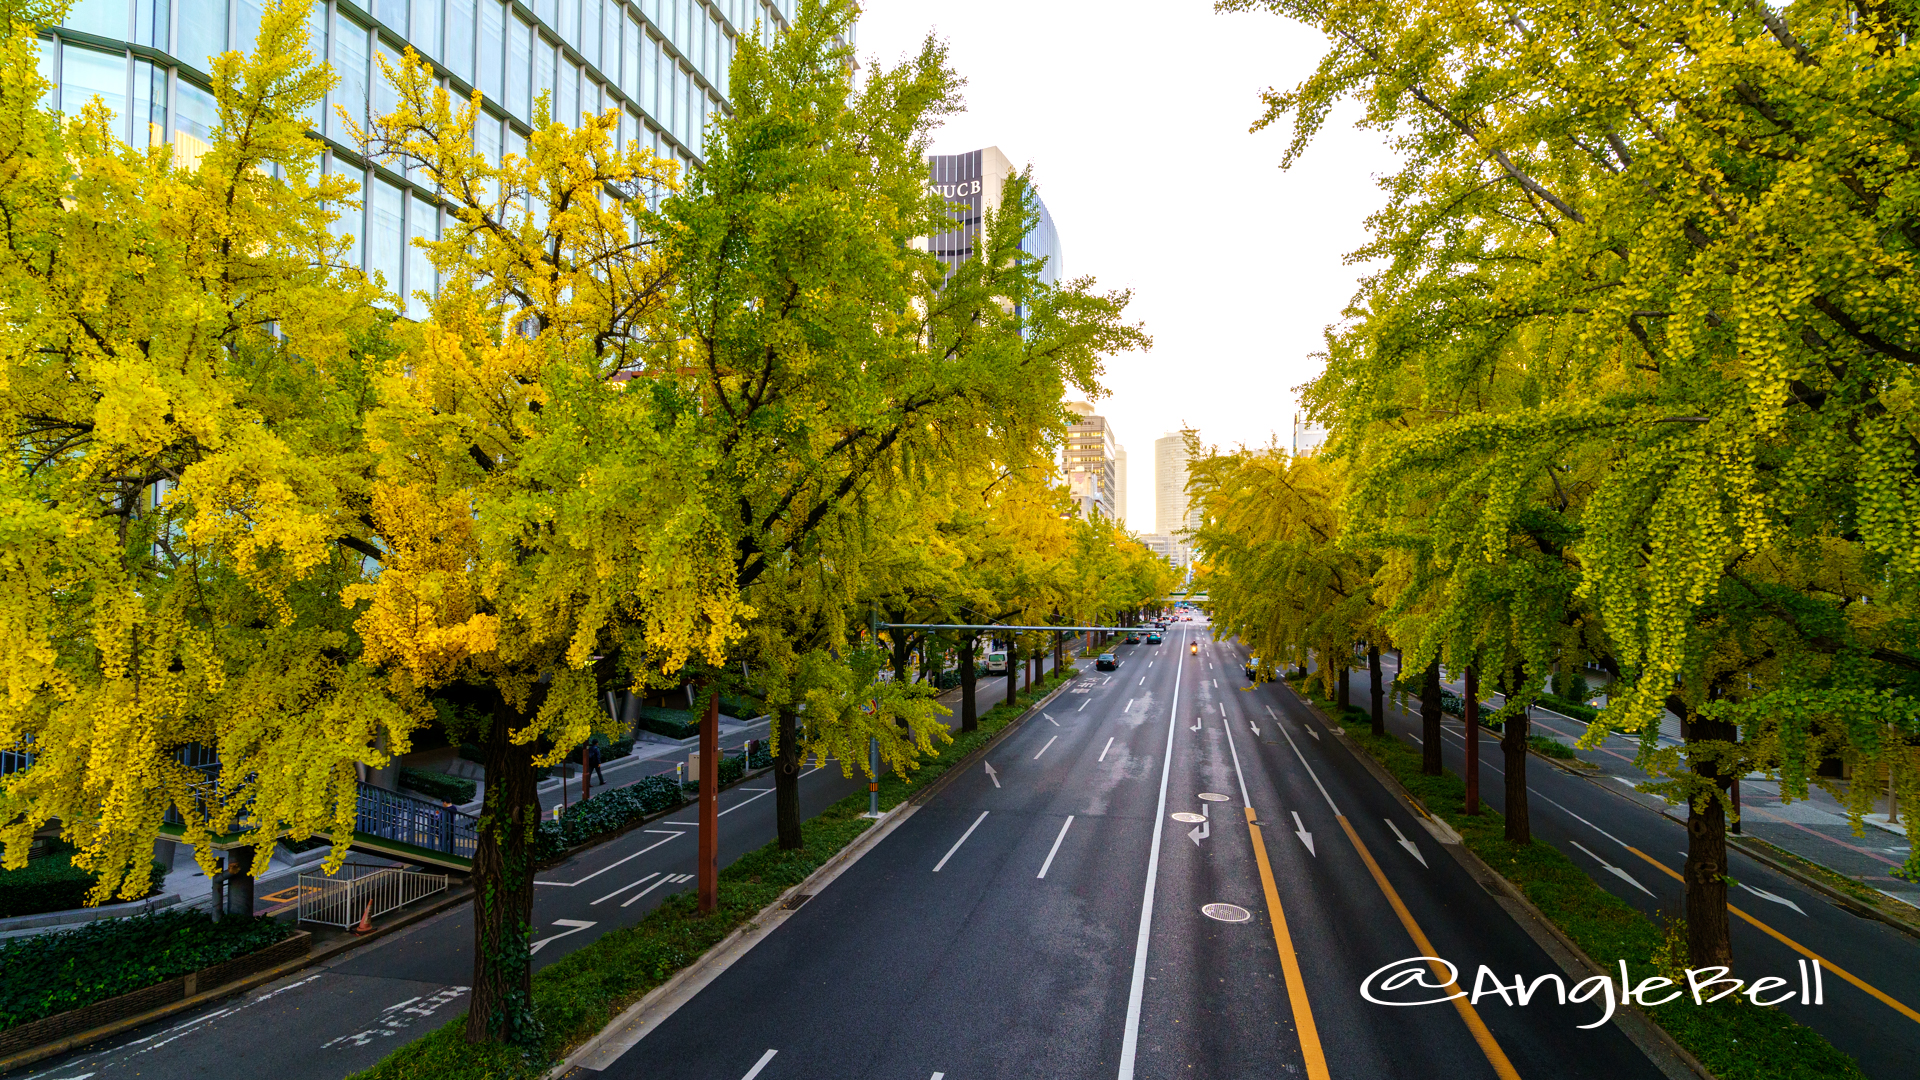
{"points": [[195, 115], [89, 73]]}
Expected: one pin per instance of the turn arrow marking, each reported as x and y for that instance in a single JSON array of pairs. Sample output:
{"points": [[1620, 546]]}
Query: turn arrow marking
{"points": [[1765, 895], [1612, 869], [1406, 843], [577, 925], [1300, 831], [993, 776]]}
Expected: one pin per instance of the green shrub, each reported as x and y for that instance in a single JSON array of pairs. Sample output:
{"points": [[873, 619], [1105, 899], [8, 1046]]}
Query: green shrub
{"points": [[1571, 686], [439, 785], [52, 973], [1576, 709], [673, 723], [610, 809], [52, 883], [1551, 747]]}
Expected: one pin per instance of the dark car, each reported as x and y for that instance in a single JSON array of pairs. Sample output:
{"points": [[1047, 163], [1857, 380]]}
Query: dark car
{"points": [[1153, 639], [1252, 667], [1105, 663]]}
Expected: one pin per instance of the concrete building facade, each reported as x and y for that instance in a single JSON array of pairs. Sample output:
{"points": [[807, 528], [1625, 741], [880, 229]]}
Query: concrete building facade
{"points": [[973, 183]]}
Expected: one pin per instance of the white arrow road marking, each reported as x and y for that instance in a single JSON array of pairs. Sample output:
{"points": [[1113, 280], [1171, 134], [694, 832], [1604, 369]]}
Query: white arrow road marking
{"points": [[1612, 869], [1310, 731], [1204, 829], [1196, 724], [1406, 843], [576, 924], [1306, 837], [1765, 895], [1051, 720], [1104, 749], [758, 1065], [1255, 727], [962, 840], [993, 776]]}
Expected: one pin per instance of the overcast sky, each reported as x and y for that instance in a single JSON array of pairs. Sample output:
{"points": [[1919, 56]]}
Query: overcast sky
{"points": [[1134, 116]]}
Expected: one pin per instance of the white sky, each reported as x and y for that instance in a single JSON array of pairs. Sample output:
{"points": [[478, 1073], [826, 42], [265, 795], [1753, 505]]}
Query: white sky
{"points": [[1134, 116]]}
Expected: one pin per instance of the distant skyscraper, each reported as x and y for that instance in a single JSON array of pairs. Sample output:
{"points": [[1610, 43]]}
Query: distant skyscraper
{"points": [[1089, 461], [1307, 438], [973, 183], [1120, 484], [1171, 511]]}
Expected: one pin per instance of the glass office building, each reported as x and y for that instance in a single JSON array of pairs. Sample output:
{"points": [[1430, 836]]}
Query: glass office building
{"points": [[972, 182], [661, 63]]}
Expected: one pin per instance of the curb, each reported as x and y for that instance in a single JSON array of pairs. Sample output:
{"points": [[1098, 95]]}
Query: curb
{"points": [[656, 1005], [1660, 1047], [454, 898]]}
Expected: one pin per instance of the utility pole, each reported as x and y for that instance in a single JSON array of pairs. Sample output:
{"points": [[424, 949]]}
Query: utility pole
{"points": [[709, 868]]}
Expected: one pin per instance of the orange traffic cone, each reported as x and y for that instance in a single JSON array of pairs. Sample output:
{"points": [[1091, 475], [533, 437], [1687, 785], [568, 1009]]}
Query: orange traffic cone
{"points": [[365, 926]]}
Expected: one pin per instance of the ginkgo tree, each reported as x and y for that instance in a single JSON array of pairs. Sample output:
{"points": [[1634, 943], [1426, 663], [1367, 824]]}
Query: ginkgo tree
{"points": [[185, 371]]}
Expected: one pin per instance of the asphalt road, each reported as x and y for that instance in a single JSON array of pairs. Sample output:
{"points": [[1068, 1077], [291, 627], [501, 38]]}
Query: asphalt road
{"points": [[334, 1019], [1046, 920], [1617, 835]]}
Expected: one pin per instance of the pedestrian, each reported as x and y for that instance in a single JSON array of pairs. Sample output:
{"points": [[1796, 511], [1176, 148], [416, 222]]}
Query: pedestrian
{"points": [[593, 762]]}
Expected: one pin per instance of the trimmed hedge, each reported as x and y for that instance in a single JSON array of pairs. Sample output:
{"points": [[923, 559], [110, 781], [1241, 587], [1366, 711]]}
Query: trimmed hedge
{"points": [[673, 723], [53, 883], [1734, 1039], [606, 811], [52, 973], [1551, 747], [439, 785], [582, 992]]}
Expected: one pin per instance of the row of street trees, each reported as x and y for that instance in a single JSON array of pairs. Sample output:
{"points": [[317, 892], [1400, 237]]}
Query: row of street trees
{"points": [[1633, 385], [652, 426]]}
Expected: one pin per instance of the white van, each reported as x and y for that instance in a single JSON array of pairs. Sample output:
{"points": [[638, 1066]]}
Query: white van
{"points": [[997, 662]]}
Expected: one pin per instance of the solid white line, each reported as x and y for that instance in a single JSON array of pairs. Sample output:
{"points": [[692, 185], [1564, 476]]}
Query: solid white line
{"points": [[1104, 749], [629, 885], [1043, 749], [1244, 801], [1055, 850], [636, 896], [1581, 820], [1130, 1043], [962, 840], [1310, 772], [758, 1065], [628, 859]]}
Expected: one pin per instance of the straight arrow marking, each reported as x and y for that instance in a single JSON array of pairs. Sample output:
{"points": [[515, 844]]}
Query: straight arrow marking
{"points": [[1052, 721], [1406, 843], [1612, 869], [1300, 831], [993, 776], [1255, 727], [1310, 731]]}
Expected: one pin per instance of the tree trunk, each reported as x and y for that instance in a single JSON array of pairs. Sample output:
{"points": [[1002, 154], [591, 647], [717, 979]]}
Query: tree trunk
{"points": [[902, 643], [1708, 941], [240, 884], [1379, 690], [1341, 696], [1470, 714], [1013, 672], [1513, 744], [502, 1006], [1430, 720], [968, 718], [708, 870], [786, 779]]}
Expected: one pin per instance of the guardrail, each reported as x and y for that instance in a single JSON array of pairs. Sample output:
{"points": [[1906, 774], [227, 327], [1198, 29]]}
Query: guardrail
{"points": [[404, 819], [343, 902]]}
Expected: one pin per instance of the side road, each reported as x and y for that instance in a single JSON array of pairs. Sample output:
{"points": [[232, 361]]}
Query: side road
{"points": [[348, 1012]]}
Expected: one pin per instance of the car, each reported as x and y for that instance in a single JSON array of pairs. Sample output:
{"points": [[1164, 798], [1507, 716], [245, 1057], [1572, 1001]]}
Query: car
{"points": [[1253, 667], [1153, 639], [1106, 662], [1133, 639]]}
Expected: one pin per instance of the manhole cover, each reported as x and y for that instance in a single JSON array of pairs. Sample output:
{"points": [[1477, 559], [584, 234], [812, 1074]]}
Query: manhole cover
{"points": [[1193, 819], [1226, 912], [1211, 797]]}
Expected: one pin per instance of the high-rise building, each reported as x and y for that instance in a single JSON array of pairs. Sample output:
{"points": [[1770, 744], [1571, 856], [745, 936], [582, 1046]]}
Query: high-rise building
{"points": [[1120, 484], [1172, 514], [1307, 438], [1089, 460], [973, 182], [660, 65]]}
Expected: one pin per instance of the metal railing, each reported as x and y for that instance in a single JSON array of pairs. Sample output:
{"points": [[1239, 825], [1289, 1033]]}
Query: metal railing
{"points": [[343, 902], [404, 819]]}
